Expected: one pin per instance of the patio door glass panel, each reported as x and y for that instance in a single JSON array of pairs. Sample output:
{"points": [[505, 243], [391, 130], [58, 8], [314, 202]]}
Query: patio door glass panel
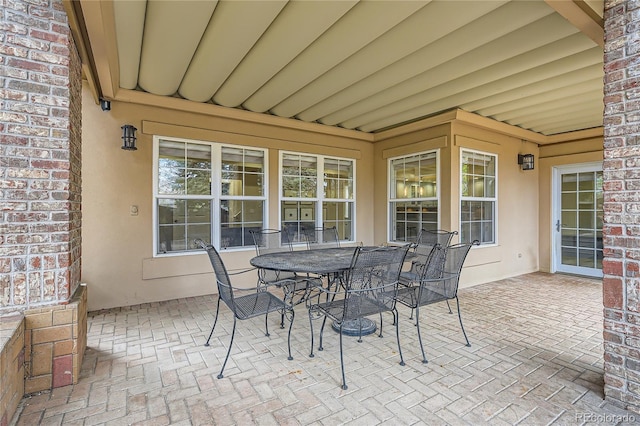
{"points": [[578, 220]]}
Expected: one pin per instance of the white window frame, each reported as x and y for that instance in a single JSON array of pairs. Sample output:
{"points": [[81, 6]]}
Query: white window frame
{"points": [[216, 193], [391, 222], [319, 199], [493, 199]]}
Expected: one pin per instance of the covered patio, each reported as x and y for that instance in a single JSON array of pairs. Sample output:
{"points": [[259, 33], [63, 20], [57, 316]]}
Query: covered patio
{"points": [[536, 358], [83, 225]]}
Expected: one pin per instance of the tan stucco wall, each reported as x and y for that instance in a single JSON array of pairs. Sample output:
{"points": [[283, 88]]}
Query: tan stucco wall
{"points": [[516, 251], [437, 137], [118, 263], [569, 153], [117, 253]]}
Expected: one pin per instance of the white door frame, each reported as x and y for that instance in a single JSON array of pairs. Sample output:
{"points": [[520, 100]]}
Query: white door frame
{"points": [[556, 237]]}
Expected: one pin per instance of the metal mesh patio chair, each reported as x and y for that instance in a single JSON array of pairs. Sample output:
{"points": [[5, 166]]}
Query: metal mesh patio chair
{"points": [[244, 303], [422, 250], [321, 237], [438, 282], [369, 289], [436, 236], [273, 241]]}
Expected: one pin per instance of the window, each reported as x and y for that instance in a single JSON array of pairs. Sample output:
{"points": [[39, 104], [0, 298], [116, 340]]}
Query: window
{"points": [[317, 191], [200, 184], [478, 197], [413, 195]]}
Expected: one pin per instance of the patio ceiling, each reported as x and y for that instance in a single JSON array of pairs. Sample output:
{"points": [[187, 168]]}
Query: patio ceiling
{"points": [[362, 65]]}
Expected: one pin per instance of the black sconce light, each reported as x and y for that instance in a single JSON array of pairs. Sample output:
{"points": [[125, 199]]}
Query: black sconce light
{"points": [[129, 137], [525, 161]]}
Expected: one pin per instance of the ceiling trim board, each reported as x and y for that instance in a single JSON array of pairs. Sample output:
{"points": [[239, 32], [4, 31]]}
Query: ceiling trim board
{"points": [[101, 29], [178, 131], [141, 98]]}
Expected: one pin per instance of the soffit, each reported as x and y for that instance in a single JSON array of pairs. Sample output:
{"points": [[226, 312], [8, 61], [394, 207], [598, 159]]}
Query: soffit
{"points": [[366, 65]]}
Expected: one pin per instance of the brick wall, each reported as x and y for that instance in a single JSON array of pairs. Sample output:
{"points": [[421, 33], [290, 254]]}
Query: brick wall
{"points": [[40, 192], [621, 266], [40, 125]]}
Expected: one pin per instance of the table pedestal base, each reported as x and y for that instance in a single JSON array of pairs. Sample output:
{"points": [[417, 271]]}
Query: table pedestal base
{"points": [[352, 327]]}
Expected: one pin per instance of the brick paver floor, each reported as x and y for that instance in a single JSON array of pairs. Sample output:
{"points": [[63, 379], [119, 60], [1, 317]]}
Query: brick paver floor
{"points": [[536, 358]]}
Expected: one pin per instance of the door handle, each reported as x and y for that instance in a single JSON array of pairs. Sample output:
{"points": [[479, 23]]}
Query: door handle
{"points": [[558, 226]]}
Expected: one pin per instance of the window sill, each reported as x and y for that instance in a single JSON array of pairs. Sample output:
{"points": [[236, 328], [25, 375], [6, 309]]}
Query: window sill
{"points": [[187, 263]]}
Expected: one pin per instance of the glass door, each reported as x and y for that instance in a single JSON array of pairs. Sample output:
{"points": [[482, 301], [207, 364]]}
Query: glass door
{"points": [[577, 221]]}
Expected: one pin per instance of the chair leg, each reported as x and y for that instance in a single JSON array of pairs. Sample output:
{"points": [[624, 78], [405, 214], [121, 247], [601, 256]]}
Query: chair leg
{"points": [[460, 318], [233, 333], [380, 334], [344, 378], [293, 315], [266, 324], [284, 299], [449, 306], [324, 321], [398, 339], [424, 357], [214, 322], [311, 355]]}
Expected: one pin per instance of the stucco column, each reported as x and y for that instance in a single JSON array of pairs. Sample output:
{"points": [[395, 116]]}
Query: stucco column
{"points": [[621, 289]]}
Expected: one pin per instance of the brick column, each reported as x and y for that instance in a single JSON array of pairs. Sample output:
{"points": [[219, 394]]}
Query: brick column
{"points": [[40, 186], [621, 289]]}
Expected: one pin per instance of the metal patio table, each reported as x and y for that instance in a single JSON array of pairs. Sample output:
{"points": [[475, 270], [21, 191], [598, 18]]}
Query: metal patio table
{"points": [[329, 262]]}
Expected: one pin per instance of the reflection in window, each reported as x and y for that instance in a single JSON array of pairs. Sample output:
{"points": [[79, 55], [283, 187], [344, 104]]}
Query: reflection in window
{"points": [[299, 176], [184, 168], [242, 171], [581, 214], [478, 197], [187, 201], [413, 200], [316, 191]]}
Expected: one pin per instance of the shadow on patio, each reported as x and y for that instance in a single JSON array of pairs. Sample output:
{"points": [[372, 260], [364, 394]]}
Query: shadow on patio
{"points": [[536, 358]]}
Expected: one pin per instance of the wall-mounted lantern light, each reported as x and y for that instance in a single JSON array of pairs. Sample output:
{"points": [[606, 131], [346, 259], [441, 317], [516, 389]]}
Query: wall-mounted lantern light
{"points": [[525, 161], [129, 137]]}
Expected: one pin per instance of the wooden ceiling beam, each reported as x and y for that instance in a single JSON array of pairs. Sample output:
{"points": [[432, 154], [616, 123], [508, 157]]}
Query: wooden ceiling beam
{"points": [[581, 16]]}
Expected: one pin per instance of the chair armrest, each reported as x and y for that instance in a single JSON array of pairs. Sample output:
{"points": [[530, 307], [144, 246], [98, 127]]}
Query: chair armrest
{"points": [[444, 276], [243, 271], [373, 289], [327, 291]]}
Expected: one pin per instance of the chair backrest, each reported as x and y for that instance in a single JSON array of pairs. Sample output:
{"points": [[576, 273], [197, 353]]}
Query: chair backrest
{"points": [[446, 266], [428, 261], [321, 237], [372, 279], [271, 241], [432, 237], [225, 290], [427, 240]]}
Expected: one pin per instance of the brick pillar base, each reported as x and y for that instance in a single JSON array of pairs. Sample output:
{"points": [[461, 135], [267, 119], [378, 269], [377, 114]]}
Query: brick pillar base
{"points": [[11, 365], [55, 341]]}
